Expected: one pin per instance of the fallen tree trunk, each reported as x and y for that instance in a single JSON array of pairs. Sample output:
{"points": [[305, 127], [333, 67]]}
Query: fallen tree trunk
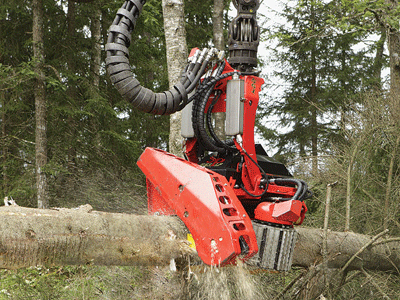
{"points": [[80, 236], [383, 255]]}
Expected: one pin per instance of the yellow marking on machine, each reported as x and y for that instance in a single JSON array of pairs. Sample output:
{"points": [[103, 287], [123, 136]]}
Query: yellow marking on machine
{"points": [[191, 241]]}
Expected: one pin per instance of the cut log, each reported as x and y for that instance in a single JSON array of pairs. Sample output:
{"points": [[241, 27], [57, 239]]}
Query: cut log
{"points": [[341, 246], [80, 236]]}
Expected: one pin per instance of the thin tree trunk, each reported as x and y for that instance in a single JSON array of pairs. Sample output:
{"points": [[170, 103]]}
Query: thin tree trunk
{"points": [[175, 37], [40, 105], [348, 187], [394, 62], [71, 91], [314, 123], [219, 43], [343, 85], [218, 25], [394, 53], [378, 60], [326, 222], [95, 27], [4, 141], [388, 192], [78, 236], [96, 57]]}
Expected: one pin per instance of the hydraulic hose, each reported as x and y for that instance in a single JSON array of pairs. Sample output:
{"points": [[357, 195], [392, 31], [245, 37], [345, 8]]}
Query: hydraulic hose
{"points": [[302, 188], [121, 75], [198, 114]]}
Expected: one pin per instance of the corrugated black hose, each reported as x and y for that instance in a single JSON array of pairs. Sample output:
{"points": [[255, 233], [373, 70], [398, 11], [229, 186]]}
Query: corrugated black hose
{"points": [[119, 69]]}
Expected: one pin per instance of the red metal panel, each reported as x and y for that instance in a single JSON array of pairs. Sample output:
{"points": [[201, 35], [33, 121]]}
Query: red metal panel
{"points": [[203, 200], [251, 173], [286, 213], [288, 210], [156, 203], [191, 150]]}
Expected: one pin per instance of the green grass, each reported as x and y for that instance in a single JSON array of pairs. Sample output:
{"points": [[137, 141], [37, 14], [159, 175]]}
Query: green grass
{"points": [[75, 282]]}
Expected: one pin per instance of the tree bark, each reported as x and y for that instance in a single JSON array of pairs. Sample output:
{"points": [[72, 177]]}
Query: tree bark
{"points": [[349, 178], [379, 60], [40, 104], [219, 43], [218, 25], [313, 92], [71, 90], [394, 53], [175, 37], [79, 236], [4, 148], [341, 246], [96, 56], [388, 191], [31, 237]]}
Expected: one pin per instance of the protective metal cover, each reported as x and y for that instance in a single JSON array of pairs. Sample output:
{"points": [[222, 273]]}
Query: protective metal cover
{"points": [[234, 107], [186, 123]]}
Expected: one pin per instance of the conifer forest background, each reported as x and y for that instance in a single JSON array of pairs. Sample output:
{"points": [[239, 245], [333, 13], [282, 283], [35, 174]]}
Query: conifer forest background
{"points": [[330, 110]]}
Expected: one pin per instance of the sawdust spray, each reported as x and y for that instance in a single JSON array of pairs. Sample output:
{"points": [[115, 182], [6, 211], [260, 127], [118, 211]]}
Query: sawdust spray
{"points": [[227, 283]]}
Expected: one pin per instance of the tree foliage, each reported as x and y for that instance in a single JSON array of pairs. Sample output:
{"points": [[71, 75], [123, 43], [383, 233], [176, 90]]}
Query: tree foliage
{"points": [[335, 105], [91, 132], [93, 135], [324, 66]]}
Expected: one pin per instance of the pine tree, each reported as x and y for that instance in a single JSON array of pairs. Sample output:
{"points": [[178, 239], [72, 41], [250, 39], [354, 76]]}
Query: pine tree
{"points": [[322, 71]]}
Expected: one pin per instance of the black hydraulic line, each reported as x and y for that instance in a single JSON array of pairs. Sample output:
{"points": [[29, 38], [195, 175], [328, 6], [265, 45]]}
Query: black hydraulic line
{"points": [[217, 95], [199, 74], [206, 84], [299, 183], [199, 123], [308, 195], [202, 134], [228, 145], [200, 100], [304, 191], [202, 92], [263, 173], [119, 69]]}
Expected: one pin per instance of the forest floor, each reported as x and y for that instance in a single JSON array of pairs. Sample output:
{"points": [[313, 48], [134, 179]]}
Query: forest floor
{"points": [[88, 282], [94, 282]]}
